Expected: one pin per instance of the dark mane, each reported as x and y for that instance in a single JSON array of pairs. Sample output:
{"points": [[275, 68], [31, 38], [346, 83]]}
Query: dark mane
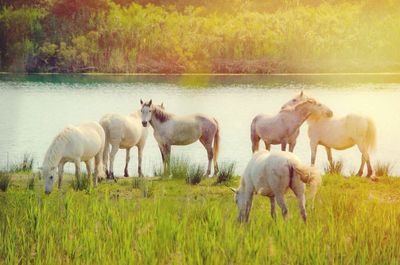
{"points": [[161, 115]]}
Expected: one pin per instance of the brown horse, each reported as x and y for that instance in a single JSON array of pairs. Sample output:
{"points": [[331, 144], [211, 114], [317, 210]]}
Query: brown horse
{"points": [[171, 129]]}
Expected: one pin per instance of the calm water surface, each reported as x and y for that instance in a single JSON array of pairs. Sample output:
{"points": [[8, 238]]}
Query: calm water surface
{"points": [[33, 108]]}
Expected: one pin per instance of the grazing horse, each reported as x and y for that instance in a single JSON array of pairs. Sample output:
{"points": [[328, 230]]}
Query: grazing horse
{"points": [[339, 133], [171, 129], [74, 144], [272, 174], [123, 132], [283, 128]]}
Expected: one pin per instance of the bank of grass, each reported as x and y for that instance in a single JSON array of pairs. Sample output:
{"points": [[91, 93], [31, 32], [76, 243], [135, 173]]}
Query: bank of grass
{"points": [[355, 221]]}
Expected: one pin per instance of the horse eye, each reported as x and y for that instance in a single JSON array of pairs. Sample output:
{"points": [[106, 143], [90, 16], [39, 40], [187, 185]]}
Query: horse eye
{"points": [[51, 177]]}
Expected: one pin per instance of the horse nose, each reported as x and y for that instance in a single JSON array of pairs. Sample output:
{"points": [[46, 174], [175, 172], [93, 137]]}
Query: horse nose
{"points": [[144, 123], [47, 192], [330, 113]]}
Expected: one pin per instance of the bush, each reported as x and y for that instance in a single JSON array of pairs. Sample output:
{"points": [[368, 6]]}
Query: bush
{"points": [[195, 174], [226, 172], [335, 169], [31, 183], [5, 180], [383, 169]]}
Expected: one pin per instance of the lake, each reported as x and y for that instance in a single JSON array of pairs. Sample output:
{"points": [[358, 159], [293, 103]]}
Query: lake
{"points": [[35, 107]]}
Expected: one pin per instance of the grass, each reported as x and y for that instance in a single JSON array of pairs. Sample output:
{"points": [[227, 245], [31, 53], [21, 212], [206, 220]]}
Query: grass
{"points": [[81, 183], [226, 172], [383, 169], [335, 169], [354, 221]]}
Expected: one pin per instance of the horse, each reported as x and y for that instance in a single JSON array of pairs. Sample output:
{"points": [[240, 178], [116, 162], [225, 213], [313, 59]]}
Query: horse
{"points": [[272, 174], [123, 132], [283, 128], [170, 129], [74, 144], [339, 133]]}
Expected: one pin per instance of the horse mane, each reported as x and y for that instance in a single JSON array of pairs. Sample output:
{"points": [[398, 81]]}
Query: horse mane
{"points": [[294, 108], [161, 115], [51, 158]]}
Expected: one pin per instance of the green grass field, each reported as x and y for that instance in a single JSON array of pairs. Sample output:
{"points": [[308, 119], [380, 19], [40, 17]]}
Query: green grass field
{"points": [[166, 221]]}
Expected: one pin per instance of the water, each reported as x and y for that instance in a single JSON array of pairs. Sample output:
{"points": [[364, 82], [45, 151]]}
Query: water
{"points": [[35, 107]]}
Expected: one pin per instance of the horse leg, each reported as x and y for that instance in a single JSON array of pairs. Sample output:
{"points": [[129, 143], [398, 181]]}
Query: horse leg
{"points": [[298, 189], [329, 155], [167, 157], [369, 167], [128, 157], [360, 171], [283, 146], [60, 173], [280, 199], [273, 212], [77, 168], [140, 155], [267, 145], [208, 147], [106, 152], [98, 167], [114, 150], [88, 168], [313, 147]]}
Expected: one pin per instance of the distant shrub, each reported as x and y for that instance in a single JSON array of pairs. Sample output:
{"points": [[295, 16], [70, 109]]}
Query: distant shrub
{"points": [[226, 172], [25, 165], [335, 169], [195, 174], [383, 169], [5, 180]]}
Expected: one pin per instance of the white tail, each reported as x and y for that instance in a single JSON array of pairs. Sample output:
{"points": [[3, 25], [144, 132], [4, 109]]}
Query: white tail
{"points": [[371, 135], [308, 175]]}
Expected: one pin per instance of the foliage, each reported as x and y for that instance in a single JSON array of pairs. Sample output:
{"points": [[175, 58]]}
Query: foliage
{"points": [[179, 167], [200, 36], [81, 183]]}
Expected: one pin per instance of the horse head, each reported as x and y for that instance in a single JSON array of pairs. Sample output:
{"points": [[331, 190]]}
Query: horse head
{"points": [[146, 112]]}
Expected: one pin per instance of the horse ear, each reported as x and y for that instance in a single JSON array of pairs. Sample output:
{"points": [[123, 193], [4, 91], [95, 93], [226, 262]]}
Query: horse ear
{"points": [[141, 102], [150, 102], [301, 93], [162, 105]]}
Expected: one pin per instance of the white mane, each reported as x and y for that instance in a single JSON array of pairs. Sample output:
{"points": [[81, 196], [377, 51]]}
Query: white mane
{"points": [[53, 154]]}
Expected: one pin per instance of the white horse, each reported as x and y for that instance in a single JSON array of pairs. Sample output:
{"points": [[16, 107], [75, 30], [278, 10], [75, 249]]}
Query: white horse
{"points": [[123, 132], [74, 144], [283, 128], [272, 174], [339, 133], [171, 129]]}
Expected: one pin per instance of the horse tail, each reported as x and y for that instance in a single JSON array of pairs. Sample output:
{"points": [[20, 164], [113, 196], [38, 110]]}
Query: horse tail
{"points": [[106, 149], [308, 175], [216, 144], [371, 135], [255, 139]]}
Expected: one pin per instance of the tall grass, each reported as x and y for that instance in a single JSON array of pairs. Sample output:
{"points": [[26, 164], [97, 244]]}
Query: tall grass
{"points": [[5, 180], [195, 174], [25, 165], [335, 169], [197, 225], [383, 169], [226, 171], [179, 167], [82, 183]]}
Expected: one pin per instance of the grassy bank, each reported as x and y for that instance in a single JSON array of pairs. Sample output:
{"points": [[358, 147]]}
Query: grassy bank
{"points": [[355, 221]]}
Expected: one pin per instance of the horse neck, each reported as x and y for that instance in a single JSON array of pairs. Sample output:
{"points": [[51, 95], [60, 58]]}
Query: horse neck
{"points": [[295, 118], [155, 122], [246, 187], [54, 153]]}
